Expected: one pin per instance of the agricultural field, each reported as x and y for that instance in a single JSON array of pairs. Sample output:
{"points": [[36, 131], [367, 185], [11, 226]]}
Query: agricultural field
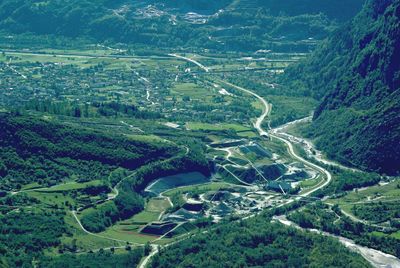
{"points": [[129, 230], [69, 186], [163, 86], [381, 194], [188, 133], [384, 192], [168, 102], [217, 127]]}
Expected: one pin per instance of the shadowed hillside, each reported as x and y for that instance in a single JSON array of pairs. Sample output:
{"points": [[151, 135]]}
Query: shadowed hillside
{"points": [[358, 71]]}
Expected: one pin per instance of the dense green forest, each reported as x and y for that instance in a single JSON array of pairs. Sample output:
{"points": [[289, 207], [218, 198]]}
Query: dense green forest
{"points": [[92, 260], [106, 109], [235, 28], [26, 234], [257, 243], [129, 202], [49, 153], [378, 212], [356, 72], [348, 8], [45, 152]]}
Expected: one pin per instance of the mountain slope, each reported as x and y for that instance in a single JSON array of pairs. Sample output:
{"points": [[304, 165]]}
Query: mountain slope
{"points": [[358, 71], [335, 9], [39, 151], [199, 6], [225, 24], [256, 242]]}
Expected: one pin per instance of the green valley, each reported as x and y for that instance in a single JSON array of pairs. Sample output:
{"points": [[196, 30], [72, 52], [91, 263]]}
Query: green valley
{"points": [[234, 133]]}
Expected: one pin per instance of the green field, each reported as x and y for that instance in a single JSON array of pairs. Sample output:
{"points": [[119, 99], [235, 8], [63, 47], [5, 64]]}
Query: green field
{"points": [[310, 183], [385, 193], [394, 235], [191, 90], [128, 230], [69, 186], [247, 134], [52, 199], [388, 192], [157, 205], [217, 127], [146, 138], [128, 233], [83, 240]]}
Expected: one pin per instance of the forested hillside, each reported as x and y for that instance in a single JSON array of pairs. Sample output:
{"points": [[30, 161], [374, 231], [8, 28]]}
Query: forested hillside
{"points": [[357, 73], [257, 243], [47, 153], [222, 25], [200, 6], [348, 8]]}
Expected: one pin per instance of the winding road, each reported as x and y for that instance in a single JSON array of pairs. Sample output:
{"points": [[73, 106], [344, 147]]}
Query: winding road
{"points": [[112, 197], [267, 108], [100, 236], [375, 257], [204, 68], [308, 146], [263, 133]]}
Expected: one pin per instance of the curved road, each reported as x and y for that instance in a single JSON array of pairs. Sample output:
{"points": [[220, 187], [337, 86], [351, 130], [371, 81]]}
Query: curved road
{"points": [[376, 258], [308, 145], [100, 236], [112, 197], [258, 125], [267, 108], [206, 69]]}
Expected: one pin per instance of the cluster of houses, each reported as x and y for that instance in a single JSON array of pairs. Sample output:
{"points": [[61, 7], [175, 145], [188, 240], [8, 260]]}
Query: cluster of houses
{"points": [[100, 82]]}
